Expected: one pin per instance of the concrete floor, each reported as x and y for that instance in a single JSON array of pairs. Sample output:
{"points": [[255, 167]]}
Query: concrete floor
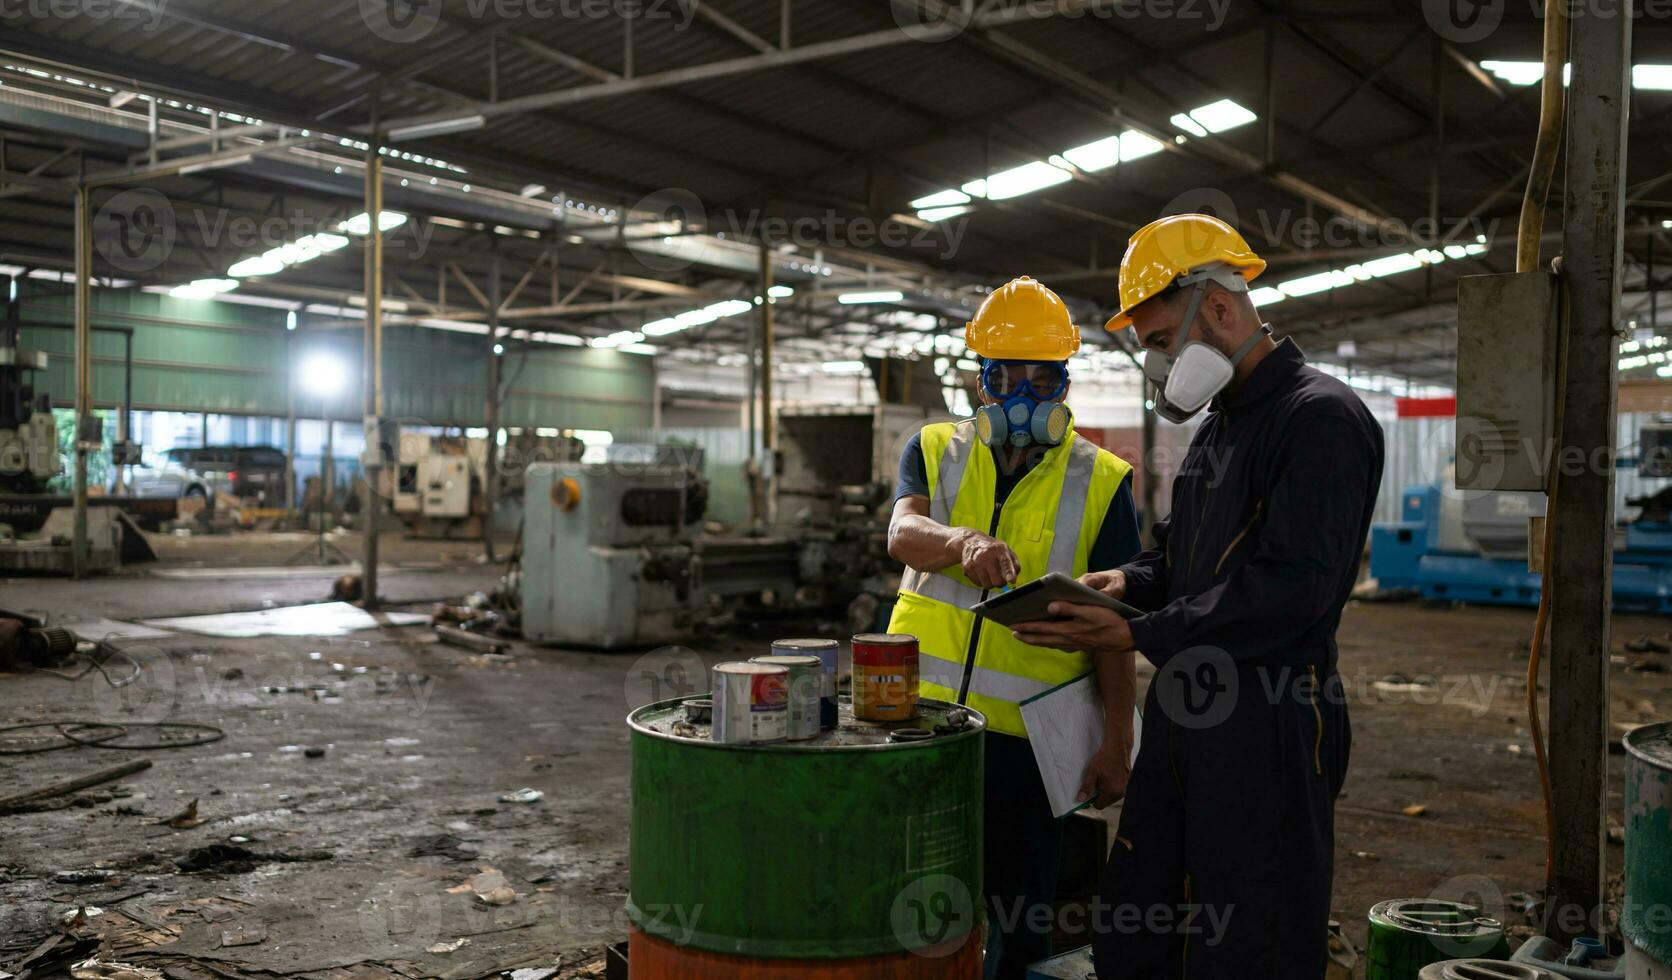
{"points": [[420, 740]]}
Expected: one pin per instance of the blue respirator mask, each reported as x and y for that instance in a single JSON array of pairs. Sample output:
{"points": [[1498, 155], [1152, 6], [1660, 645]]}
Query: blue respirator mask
{"points": [[1025, 414]]}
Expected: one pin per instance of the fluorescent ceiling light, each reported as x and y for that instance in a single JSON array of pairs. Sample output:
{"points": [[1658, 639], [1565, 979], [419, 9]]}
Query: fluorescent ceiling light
{"points": [[694, 318], [729, 307], [941, 199], [1307, 285], [874, 296], [440, 127], [323, 241], [941, 214], [1266, 295], [1016, 181], [256, 265], [1652, 77], [1099, 155], [360, 224], [1188, 124], [203, 288], [1386, 266], [532, 190], [1134, 145], [637, 348], [618, 339], [781, 292], [1216, 117], [843, 367], [661, 328]]}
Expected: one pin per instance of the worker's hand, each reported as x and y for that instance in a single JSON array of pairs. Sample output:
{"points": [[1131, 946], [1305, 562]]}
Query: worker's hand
{"points": [[1111, 584], [1106, 775], [987, 561], [1092, 629]]}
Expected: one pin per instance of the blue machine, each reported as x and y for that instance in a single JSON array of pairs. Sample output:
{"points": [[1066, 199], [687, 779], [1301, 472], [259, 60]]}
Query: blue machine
{"points": [[1467, 548]]}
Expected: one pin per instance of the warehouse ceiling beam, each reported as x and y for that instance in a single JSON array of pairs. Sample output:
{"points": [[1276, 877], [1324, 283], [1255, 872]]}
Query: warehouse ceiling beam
{"points": [[776, 58]]}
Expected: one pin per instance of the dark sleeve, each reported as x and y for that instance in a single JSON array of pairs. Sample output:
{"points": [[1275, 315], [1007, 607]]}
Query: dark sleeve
{"points": [[1146, 574], [1324, 471], [914, 473], [1117, 540]]}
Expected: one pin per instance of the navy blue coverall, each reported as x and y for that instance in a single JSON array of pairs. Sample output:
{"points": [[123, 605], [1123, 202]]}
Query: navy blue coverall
{"points": [[1225, 854]]}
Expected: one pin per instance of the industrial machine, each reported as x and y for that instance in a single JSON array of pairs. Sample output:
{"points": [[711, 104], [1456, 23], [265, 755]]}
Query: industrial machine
{"points": [[613, 554], [436, 483], [1472, 547]]}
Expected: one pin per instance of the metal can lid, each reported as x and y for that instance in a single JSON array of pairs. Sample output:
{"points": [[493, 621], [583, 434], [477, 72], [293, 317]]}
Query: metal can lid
{"points": [[788, 660], [805, 643], [885, 639], [1651, 743], [748, 667]]}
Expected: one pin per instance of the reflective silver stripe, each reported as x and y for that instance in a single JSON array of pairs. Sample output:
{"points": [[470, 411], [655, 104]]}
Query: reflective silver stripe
{"points": [[1071, 509], [984, 681], [945, 588], [939, 670], [950, 476]]}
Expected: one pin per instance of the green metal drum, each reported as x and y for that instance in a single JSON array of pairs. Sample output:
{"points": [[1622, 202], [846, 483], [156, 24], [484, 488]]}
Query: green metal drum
{"points": [[1408, 934], [1646, 921], [851, 844]]}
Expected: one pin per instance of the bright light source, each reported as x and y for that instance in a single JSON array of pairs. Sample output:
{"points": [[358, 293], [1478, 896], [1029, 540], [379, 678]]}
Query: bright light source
{"points": [[941, 199], [1307, 285], [1652, 77], [1216, 117], [324, 242], [844, 367], [203, 288], [1099, 155], [256, 265], [781, 292], [638, 348], [290, 320], [941, 214], [874, 296], [1266, 295], [1026, 179], [323, 374], [1188, 124], [661, 328], [499, 348], [1523, 72], [360, 224], [532, 190], [1134, 145], [618, 339], [729, 307], [696, 318], [1386, 266]]}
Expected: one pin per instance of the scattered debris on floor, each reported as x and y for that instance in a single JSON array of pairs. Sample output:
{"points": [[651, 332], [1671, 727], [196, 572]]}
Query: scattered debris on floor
{"points": [[1415, 810], [236, 859], [524, 795], [314, 619]]}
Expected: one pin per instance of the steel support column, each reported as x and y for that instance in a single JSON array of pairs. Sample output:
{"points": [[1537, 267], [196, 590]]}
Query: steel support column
{"points": [[372, 369], [490, 475], [768, 429], [83, 368], [1592, 221]]}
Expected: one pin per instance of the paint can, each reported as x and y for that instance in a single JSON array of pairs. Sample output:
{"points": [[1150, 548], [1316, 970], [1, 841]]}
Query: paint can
{"points": [[751, 703], [1408, 934], [884, 676], [826, 651], [806, 685]]}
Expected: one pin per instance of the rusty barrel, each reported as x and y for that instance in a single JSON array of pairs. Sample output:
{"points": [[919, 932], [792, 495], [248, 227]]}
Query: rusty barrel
{"points": [[1646, 919]]}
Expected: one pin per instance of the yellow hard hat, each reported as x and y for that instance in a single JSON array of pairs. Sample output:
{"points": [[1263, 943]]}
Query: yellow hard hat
{"points": [[1165, 249], [1022, 321]]}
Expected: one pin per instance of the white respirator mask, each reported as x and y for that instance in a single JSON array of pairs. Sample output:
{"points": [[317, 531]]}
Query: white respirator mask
{"points": [[1187, 380]]}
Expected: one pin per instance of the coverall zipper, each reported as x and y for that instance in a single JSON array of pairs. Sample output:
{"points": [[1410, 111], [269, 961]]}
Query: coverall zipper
{"points": [[1202, 514], [1238, 539], [1318, 745]]}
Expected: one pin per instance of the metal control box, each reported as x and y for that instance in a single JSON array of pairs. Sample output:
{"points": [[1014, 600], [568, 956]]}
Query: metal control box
{"points": [[1506, 378]]}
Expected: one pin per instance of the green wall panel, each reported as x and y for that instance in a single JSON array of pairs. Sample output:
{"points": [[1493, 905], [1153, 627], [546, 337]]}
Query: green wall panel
{"points": [[227, 358]]}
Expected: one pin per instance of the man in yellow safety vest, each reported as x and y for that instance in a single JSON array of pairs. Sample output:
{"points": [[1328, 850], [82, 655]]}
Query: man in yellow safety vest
{"points": [[999, 499]]}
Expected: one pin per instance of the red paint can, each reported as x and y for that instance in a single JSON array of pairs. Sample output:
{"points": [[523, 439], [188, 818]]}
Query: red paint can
{"points": [[885, 674]]}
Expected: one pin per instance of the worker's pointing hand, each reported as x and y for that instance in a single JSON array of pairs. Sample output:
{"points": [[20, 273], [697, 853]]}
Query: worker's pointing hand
{"points": [[987, 561], [1111, 584]]}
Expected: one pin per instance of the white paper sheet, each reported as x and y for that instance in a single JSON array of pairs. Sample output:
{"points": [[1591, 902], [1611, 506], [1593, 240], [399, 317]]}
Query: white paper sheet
{"points": [[1065, 727]]}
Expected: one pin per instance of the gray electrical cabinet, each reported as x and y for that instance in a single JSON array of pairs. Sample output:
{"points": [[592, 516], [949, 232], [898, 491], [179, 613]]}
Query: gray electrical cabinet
{"points": [[1506, 371]]}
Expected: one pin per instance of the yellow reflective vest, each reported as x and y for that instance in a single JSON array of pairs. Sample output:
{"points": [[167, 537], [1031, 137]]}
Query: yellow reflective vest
{"points": [[1050, 520]]}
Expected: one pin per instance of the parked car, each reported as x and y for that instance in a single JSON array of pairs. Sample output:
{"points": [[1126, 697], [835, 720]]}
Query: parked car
{"points": [[159, 475], [250, 472]]}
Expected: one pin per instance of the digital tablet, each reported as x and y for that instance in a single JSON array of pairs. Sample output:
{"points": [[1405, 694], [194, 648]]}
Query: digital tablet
{"points": [[1028, 603]]}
